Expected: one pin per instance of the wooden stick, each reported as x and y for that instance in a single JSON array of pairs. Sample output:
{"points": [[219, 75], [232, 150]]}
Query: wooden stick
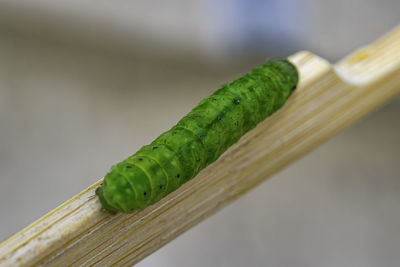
{"points": [[328, 99]]}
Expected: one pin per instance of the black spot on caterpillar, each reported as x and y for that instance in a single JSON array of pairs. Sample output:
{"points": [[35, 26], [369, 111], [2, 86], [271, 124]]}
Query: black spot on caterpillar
{"points": [[198, 139]]}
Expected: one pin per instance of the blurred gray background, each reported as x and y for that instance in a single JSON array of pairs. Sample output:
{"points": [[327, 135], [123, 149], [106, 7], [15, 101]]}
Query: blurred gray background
{"points": [[84, 84]]}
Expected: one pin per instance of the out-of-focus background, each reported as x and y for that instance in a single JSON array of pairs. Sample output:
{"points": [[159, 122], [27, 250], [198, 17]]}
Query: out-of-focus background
{"points": [[84, 84]]}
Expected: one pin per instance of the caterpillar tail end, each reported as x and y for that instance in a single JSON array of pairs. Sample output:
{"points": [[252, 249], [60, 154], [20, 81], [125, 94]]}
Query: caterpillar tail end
{"points": [[103, 201], [293, 73]]}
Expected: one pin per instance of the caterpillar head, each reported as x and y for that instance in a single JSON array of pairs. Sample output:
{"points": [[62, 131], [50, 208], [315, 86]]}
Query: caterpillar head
{"points": [[125, 188], [103, 201]]}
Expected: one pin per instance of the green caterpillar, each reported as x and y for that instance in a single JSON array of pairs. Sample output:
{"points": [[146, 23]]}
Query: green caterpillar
{"points": [[198, 139]]}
